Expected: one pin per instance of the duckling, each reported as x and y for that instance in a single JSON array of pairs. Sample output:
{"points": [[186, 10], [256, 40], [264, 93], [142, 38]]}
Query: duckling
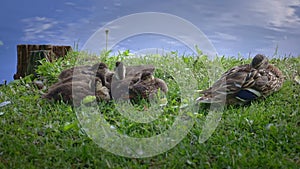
{"points": [[103, 73], [242, 84], [102, 92], [138, 70], [74, 70], [98, 69], [64, 92], [147, 88], [75, 91], [85, 78], [126, 76]]}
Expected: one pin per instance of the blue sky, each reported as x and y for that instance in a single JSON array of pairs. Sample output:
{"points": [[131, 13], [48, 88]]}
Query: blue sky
{"points": [[232, 26]]}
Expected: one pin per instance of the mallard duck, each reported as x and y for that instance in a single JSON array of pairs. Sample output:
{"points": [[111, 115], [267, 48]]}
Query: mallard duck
{"points": [[85, 78], [138, 70], [68, 91], [133, 72], [147, 88], [75, 91], [73, 71], [103, 73], [102, 93], [126, 76], [242, 84], [99, 70]]}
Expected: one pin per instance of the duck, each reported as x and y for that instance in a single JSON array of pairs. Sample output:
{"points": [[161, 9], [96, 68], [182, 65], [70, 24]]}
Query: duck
{"points": [[125, 77], [85, 78], [102, 93], [99, 70], [65, 92], [74, 91], [102, 71], [136, 71], [147, 87], [242, 84], [129, 72], [74, 70]]}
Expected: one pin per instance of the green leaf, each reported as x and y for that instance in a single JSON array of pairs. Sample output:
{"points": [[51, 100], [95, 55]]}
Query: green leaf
{"points": [[88, 99], [69, 126]]}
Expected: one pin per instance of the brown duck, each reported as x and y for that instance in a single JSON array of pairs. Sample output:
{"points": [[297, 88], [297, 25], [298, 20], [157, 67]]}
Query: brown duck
{"points": [[125, 77], [147, 88], [244, 83], [73, 92]]}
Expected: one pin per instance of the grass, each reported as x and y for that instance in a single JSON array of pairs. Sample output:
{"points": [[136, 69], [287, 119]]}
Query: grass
{"points": [[35, 133]]}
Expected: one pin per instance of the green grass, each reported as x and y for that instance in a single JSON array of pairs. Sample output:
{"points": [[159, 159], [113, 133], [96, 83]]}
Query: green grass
{"points": [[35, 133]]}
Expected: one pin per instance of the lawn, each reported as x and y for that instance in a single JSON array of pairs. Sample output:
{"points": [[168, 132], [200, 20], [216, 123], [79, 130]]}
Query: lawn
{"points": [[36, 133]]}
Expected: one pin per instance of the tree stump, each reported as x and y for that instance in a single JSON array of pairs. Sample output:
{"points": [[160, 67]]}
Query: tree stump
{"points": [[29, 56]]}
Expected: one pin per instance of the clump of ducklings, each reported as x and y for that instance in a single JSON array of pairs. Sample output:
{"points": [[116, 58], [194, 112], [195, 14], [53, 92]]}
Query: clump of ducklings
{"points": [[132, 82]]}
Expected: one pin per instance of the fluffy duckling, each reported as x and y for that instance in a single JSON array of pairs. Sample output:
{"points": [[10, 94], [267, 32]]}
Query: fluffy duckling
{"points": [[103, 73], [68, 91], [244, 83], [102, 92], [126, 76], [74, 70], [75, 91], [99, 70], [85, 78], [147, 88], [138, 70]]}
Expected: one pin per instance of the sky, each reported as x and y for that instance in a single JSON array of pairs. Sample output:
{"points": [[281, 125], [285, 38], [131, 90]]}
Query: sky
{"points": [[232, 27]]}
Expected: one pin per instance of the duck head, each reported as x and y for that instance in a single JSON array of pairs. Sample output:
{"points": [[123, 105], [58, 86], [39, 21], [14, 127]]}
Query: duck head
{"points": [[147, 76], [260, 62]]}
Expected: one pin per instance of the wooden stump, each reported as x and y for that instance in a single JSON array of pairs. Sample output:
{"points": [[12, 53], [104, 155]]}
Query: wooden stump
{"points": [[29, 55]]}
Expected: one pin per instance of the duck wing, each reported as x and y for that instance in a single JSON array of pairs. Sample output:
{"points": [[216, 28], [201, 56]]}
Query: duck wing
{"points": [[243, 84], [234, 86]]}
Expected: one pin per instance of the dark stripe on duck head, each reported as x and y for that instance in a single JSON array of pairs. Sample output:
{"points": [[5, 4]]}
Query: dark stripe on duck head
{"points": [[259, 61]]}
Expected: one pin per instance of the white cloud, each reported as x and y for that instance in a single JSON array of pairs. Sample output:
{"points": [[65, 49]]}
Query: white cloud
{"points": [[172, 42], [70, 3], [225, 36], [270, 14], [1, 43], [38, 27], [278, 13], [40, 18]]}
